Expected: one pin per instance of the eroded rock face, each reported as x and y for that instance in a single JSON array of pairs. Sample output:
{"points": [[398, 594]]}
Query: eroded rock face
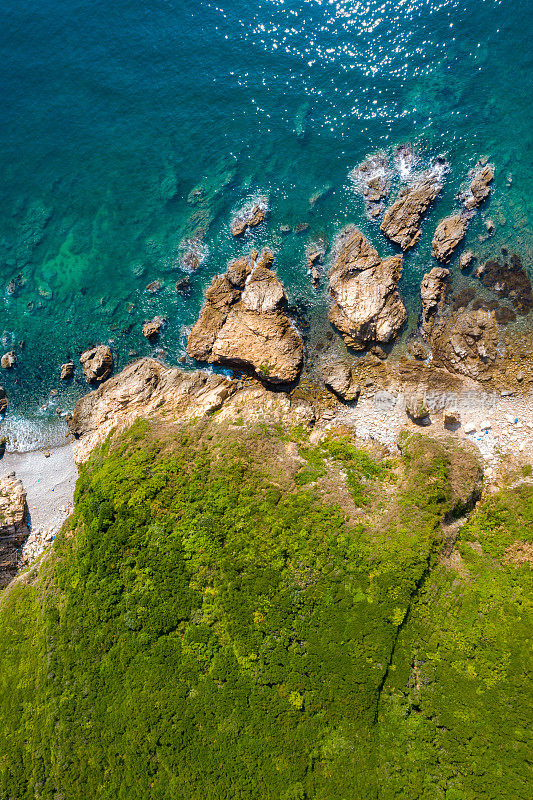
{"points": [[366, 305], [433, 295], [243, 323], [13, 529], [338, 379], [467, 343], [401, 222], [146, 387], [480, 186], [97, 363], [449, 232], [249, 217]]}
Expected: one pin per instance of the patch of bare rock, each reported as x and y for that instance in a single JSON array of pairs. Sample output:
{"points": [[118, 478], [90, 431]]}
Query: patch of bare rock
{"points": [[366, 308], [401, 222], [339, 379], [97, 363], [467, 343], [244, 323], [13, 527]]}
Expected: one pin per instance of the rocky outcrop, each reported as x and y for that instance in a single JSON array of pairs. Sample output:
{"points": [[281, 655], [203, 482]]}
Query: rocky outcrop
{"points": [[8, 360], [401, 222], [3, 400], [338, 379], [467, 343], [152, 328], [13, 528], [466, 259], [249, 217], [449, 232], [67, 371], [417, 409], [147, 388], [366, 305], [244, 323], [433, 295], [480, 185], [97, 363]]}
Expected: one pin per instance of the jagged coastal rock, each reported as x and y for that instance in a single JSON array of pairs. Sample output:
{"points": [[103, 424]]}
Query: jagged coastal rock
{"points": [[371, 178], [338, 379], [152, 328], [8, 360], [244, 323], [3, 400], [249, 217], [13, 528], [480, 186], [366, 305], [466, 259], [433, 294], [467, 343], [401, 222], [147, 387], [449, 232], [97, 363]]}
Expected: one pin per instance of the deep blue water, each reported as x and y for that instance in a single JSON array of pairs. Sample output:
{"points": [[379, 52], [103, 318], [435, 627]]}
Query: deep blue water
{"points": [[126, 127]]}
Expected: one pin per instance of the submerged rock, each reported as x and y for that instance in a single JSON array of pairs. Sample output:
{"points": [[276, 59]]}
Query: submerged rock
{"points": [[508, 280], [243, 323], [449, 232], [401, 222], [480, 186], [371, 179], [366, 305], [97, 363], [248, 217], [13, 528], [433, 295]]}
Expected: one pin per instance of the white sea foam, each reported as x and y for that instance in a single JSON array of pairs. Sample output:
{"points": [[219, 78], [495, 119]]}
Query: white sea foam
{"points": [[25, 433]]}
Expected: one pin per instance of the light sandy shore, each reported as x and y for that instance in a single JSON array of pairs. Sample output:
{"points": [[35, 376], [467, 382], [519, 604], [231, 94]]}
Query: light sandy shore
{"points": [[49, 483]]}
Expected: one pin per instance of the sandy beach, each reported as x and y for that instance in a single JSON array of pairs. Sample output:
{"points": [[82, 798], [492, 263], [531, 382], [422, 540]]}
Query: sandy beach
{"points": [[49, 482]]}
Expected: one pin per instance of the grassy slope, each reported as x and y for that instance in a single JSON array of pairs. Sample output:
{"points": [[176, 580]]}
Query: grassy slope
{"points": [[212, 625]]}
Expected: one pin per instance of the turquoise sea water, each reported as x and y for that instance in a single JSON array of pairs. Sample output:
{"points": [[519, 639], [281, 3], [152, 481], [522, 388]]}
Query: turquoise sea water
{"points": [[128, 126]]}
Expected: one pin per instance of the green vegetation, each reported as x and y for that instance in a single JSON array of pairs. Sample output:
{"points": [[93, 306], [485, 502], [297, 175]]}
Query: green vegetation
{"points": [[216, 622]]}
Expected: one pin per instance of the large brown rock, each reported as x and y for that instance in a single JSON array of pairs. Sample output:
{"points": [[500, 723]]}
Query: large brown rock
{"points": [[13, 529], [338, 379], [449, 232], [366, 305], [243, 323], [433, 294], [482, 176], [97, 363], [467, 343], [401, 222]]}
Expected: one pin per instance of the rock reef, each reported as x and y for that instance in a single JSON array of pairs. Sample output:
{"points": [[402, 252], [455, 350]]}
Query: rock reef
{"points": [[249, 217], [401, 222], [244, 323], [366, 305]]}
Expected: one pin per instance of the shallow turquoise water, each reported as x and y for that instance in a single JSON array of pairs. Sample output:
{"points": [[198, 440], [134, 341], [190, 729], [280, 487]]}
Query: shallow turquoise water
{"points": [[127, 126]]}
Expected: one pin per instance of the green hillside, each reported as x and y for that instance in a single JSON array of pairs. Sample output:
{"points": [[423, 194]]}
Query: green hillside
{"points": [[237, 614]]}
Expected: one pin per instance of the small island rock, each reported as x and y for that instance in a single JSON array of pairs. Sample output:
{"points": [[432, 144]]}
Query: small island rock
{"points": [[449, 232], [67, 371]]}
